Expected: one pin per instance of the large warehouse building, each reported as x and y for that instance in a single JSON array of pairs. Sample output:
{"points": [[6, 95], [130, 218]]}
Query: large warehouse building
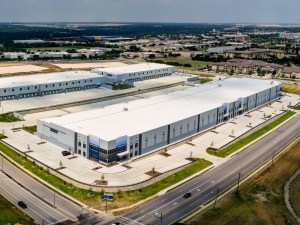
{"points": [[136, 72], [45, 84], [122, 131]]}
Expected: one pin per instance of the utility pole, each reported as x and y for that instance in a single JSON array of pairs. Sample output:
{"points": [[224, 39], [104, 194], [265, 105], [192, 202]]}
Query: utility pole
{"points": [[160, 217], [106, 204], [53, 199], [238, 184], [216, 198], [273, 156]]}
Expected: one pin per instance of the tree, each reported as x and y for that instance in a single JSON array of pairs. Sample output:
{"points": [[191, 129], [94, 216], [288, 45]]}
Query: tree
{"points": [[231, 72], [274, 73], [134, 48], [151, 56]]}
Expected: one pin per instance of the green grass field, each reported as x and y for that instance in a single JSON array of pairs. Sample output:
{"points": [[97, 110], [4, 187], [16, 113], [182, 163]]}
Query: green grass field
{"points": [[89, 197], [194, 64], [245, 141], [120, 86], [261, 198], [8, 117], [30, 129], [10, 214]]}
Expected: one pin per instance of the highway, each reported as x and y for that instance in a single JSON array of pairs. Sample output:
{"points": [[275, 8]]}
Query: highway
{"points": [[41, 212], [172, 206], [44, 206]]}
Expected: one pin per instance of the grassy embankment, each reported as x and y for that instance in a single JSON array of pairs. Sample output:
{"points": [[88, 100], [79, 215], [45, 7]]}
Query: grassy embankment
{"points": [[245, 141], [89, 197], [260, 200], [294, 195], [10, 214]]}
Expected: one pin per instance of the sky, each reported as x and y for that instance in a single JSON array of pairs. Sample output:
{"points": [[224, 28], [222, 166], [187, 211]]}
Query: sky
{"points": [[174, 11]]}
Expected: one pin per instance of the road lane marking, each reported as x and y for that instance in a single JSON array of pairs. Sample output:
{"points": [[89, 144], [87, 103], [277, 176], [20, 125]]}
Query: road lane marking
{"points": [[28, 196], [131, 221], [168, 203]]}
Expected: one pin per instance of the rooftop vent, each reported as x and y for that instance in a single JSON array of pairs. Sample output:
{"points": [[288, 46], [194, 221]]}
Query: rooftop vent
{"points": [[125, 109], [219, 85]]}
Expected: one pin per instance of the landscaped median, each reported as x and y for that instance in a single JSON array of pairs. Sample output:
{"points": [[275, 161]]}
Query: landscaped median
{"points": [[92, 198], [247, 140]]}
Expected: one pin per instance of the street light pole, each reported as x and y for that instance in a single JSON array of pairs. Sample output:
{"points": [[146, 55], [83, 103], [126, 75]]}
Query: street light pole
{"points": [[106, 205], [238, 185], [273, 158], [216, 198], [2, 162], [53, 199]]}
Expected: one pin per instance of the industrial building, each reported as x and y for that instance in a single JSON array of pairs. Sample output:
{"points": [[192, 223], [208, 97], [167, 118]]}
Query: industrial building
{"points": [[44, 84], [122, 131], [136, 72]]}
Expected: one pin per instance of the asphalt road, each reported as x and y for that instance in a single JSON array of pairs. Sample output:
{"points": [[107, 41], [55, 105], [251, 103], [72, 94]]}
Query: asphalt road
{"points": [[41, 212], [44, 206], [173, 206]]}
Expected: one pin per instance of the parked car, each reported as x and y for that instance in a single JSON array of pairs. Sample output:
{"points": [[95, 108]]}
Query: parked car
{"points": [[65, 153], [22, 204], [187, 195]]}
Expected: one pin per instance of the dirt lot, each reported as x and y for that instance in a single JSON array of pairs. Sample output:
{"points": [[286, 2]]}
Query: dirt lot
{"points": [[11, 69], [22, 68], [261, 199], [291, 88]]}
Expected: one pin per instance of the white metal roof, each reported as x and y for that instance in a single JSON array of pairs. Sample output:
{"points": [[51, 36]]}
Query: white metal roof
{"points": [[18, 81], [134, 68], [147, 114]]}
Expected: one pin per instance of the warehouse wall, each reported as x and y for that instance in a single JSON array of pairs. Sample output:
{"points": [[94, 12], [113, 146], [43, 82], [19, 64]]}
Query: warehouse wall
{"points": [[57, 135], [49, 88]]}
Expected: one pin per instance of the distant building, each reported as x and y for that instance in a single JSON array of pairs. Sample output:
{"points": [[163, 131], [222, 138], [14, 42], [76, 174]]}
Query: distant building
{"points": [[47, 84], [241, 38], [291, 72], [255, 53], [135, 72], [242, 66], [33, 41], [15, 55], [290, 36], [226, 48]]}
